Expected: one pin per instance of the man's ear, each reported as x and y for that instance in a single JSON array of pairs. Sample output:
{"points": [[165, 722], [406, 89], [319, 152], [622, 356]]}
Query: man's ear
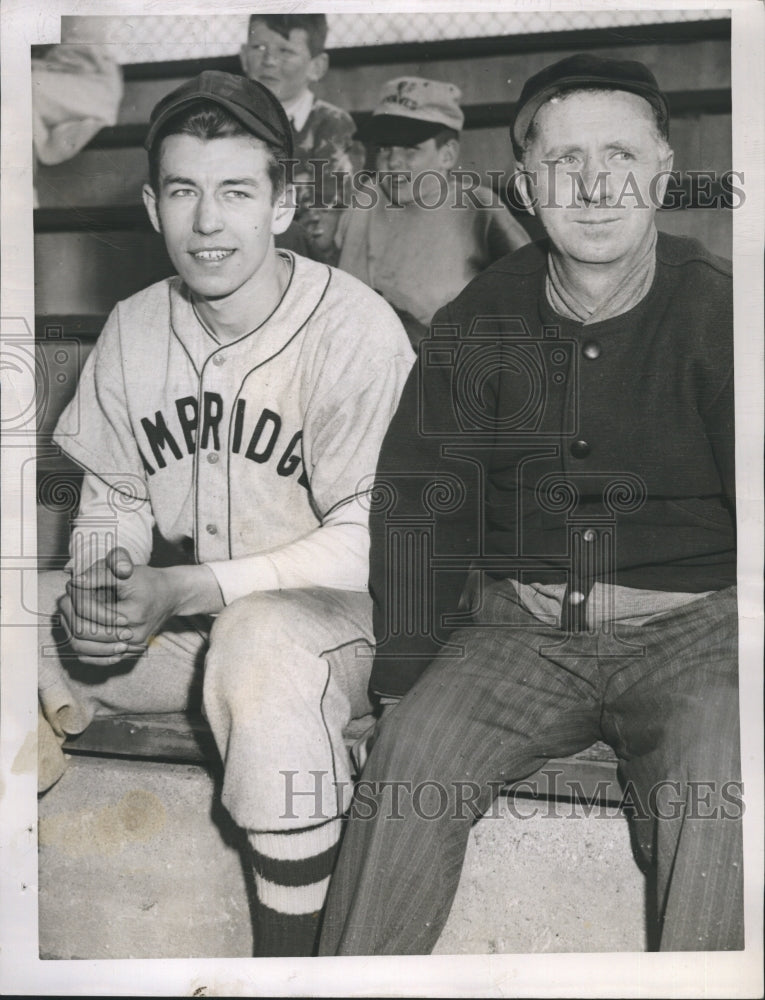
{"points": [[449, 153], [150, 201], [317, 67], [666, 169], [283, 211], [523, 188]]}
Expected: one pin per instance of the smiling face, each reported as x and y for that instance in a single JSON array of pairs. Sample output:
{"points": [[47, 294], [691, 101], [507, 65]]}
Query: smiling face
{"points": [[215, 207], [284, 65], [597, 160]]}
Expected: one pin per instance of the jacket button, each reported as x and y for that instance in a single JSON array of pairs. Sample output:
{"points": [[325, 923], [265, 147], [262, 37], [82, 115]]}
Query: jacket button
{"points": [[212, 529], [591, 350], [212, 457], [219, 360], [580, 449]]}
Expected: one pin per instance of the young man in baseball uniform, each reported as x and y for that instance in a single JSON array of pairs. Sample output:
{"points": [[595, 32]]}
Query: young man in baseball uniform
{"points": [[583, 576], [237, 410]]}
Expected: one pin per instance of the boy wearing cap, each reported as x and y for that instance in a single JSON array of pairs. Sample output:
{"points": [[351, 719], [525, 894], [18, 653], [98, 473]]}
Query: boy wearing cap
{"points": [[581, 391], [232, 410], [424, 237], [286, 53]]}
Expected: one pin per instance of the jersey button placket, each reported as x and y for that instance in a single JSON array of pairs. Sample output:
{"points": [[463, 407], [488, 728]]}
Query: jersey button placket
{"points": [[212, 525], [216, 467], [581, 448]]}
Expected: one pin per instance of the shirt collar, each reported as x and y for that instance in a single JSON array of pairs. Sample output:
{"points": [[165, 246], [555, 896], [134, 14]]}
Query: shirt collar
{"points": [[632, 289], [299, 108]]}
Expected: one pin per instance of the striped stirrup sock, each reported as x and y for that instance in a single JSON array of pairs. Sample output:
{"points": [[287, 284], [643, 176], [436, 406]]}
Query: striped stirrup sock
{"points": [[292, 871]]}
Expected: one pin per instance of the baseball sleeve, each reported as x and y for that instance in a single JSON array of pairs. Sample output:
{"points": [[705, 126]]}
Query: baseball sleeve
{"points": [[95, 431], [342, 441], [95, 428]]}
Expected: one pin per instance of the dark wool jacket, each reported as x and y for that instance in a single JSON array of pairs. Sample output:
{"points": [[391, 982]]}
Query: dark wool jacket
{"points": [[531, 446]]}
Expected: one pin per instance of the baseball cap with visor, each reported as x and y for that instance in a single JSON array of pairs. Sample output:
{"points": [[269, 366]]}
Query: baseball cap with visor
{"points": [[252, 104], [585, 70]]}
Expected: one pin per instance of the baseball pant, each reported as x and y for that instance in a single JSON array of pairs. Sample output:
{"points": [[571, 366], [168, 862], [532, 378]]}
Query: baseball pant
{"points": [[521, 693], [279, 674]]}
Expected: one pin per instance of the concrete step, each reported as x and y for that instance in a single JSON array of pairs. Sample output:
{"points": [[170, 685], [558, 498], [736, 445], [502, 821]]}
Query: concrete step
{"points": [[140, 860]]}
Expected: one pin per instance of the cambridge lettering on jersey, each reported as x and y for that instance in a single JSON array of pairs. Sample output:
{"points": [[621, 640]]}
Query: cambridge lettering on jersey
{"points": [[262, 440]]}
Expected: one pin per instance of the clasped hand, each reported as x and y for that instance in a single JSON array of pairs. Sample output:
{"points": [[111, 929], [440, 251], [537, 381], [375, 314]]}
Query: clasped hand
{"points": [[111, 610]]}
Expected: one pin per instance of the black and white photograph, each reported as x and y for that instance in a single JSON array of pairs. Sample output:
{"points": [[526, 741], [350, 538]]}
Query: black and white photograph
{"points": [[382, 499]]}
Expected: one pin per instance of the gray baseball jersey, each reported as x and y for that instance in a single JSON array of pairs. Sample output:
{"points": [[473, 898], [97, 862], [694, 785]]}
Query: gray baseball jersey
{"points": [[245, 446]]}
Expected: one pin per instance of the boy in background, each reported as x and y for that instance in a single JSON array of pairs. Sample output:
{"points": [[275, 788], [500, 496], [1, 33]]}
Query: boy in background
{"points": [[285, 52], [425, 236]]}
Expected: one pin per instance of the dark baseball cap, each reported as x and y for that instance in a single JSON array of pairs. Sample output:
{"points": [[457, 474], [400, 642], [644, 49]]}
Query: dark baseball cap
{"points": [[584, 70], [252, 104]]}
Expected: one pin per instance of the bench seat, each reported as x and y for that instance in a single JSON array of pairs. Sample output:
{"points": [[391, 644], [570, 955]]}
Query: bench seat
{"points": [[171, 737], [179, 738]]}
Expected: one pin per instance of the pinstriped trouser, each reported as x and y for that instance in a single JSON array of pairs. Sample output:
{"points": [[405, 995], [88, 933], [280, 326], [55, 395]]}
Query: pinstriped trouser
{"points": [[500, 711]]}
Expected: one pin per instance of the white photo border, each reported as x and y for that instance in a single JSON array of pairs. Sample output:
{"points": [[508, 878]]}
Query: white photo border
{"points": [[602, 975]]}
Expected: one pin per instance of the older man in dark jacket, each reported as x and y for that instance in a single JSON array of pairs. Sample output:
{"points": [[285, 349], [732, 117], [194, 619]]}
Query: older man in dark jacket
{"points": [[553, 555]]}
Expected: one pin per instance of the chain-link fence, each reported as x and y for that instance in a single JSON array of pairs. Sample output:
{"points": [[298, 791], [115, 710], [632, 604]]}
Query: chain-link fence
{"points": [[157, 38]]}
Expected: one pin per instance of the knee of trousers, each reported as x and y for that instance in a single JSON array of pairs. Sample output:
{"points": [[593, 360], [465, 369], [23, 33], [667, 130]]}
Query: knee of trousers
{"points": [[702, 744], [418, 773], [275, 715], [694, 772], [257, 646], [412, 745]]}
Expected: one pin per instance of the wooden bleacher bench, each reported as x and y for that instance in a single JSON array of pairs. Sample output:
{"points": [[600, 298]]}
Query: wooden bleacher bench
{"points": [[186, 739], [167, 737]]}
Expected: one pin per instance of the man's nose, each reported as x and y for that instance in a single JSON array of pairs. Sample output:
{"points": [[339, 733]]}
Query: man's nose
{"points": [[268, 56], [591, 182], [207, 218]]}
